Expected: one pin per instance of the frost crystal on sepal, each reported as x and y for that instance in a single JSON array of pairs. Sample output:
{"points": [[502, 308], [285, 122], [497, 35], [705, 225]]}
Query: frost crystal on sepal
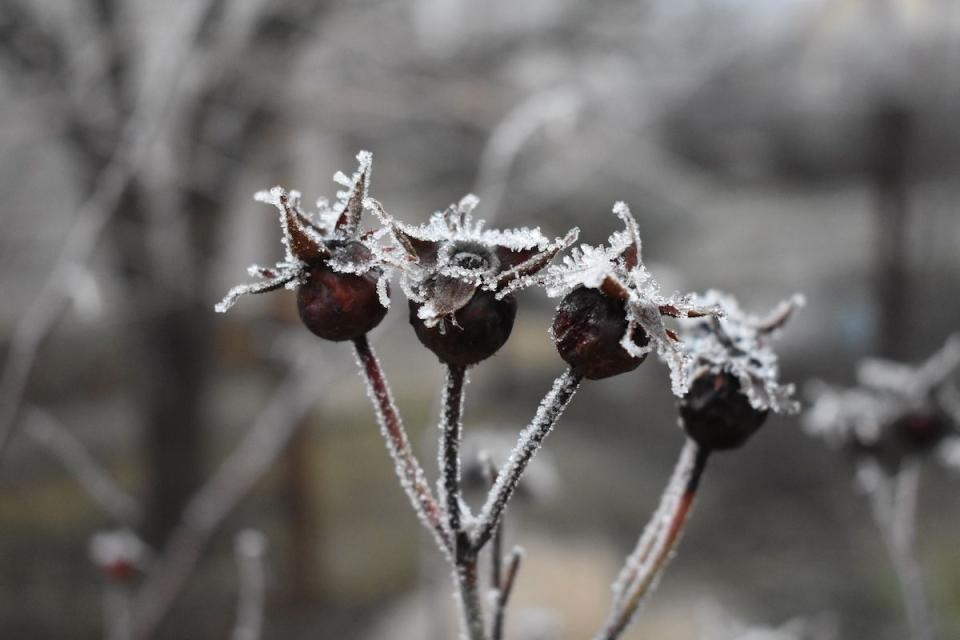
{"points": [[618, 271], [330, 236], [738, 344], [444, 262], [887, 392]]}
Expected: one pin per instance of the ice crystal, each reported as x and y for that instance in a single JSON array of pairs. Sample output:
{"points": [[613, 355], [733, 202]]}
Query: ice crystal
{"points": [[887, 393], [445, 261], [617, 269], [330, 236], [738, 344]]}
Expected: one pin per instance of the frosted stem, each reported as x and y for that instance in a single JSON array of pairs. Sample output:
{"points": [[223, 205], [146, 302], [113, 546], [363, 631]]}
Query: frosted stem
{"points": [[465, 558], [408, 468], [528, 443], [643, 568], [893, 504], [451, 433], [503, 592]]}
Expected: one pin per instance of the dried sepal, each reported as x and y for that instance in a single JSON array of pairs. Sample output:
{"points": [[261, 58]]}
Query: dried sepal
{"points": [[616, 269], [738, 344]]}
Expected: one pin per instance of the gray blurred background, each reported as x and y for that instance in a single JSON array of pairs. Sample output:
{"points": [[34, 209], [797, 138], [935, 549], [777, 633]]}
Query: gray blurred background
{"points": [[765, 148]]}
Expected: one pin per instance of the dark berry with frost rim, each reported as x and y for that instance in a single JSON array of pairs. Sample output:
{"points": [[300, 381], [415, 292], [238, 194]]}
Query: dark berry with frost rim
{"points": [[587, 330], [339, 306], [476, 332], [717, 414]]}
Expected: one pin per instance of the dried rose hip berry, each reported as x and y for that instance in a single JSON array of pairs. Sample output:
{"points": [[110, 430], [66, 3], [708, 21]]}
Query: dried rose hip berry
{"points": [[476, 332], [716, 413], [339, 306], [587, 330]]}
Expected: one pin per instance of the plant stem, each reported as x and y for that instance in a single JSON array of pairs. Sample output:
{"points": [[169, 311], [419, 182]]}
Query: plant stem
{"points": [[465, 557], [549, 411], [408, 468], [503, 592], [452, 431], [645, 566], [894, 511]]}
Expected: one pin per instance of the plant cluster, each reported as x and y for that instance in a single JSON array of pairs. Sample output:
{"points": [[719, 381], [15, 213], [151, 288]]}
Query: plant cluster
{"points": [[460, 279]]}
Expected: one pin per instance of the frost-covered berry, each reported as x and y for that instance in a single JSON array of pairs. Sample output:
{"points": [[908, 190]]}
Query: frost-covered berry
{"points": [[612, 313], [734, 373], [339, 306], [341, 281], [587, 330], [476, 331], [460, 278], [897, 411], [717, 415]]}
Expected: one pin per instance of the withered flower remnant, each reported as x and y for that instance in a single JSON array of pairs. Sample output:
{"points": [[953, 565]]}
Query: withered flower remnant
{"points": [[612, 312], [896, 411], [734, 374], [460, 278], [341, 285]]}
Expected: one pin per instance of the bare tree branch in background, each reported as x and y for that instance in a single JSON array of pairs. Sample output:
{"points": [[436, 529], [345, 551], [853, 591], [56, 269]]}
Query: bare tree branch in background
{"points": [[250, 546], [208, 508], [194, 109], [91, 476]]}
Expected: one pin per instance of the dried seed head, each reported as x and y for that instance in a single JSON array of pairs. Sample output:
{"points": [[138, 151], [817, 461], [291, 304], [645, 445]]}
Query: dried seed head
{"points": [[476, 331], [716, 413], [339, 274], [897, 410], [617, 272], [588, 330]]}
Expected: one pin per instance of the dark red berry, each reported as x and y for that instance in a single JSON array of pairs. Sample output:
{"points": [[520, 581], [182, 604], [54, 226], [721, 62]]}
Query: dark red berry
{"points": [[121, 570], [477, 331], [920, 430], [587, 330], [339, 306], [717, 414]]}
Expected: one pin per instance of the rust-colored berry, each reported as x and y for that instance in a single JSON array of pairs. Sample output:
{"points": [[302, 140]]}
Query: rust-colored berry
{"points": [[477, 331], [339, 306], [587, 330], [717, 414]]}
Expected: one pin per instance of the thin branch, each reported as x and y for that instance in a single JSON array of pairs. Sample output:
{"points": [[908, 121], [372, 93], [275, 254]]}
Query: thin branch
{"points": [[504, 591], [893, 505], [42, 315], [249, 547], [549, 411], [464, 557], [411, 475], [450, 436], [47, 431], [644, 567], [207, 509]]}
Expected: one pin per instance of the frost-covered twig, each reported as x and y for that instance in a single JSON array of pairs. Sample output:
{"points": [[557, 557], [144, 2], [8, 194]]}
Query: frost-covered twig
{"points": [[893, 505], [504, 590], [207, 509], [249, 547], [411, 475], [46, 430], [464, 556], [645, 565], [549, 411]]}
